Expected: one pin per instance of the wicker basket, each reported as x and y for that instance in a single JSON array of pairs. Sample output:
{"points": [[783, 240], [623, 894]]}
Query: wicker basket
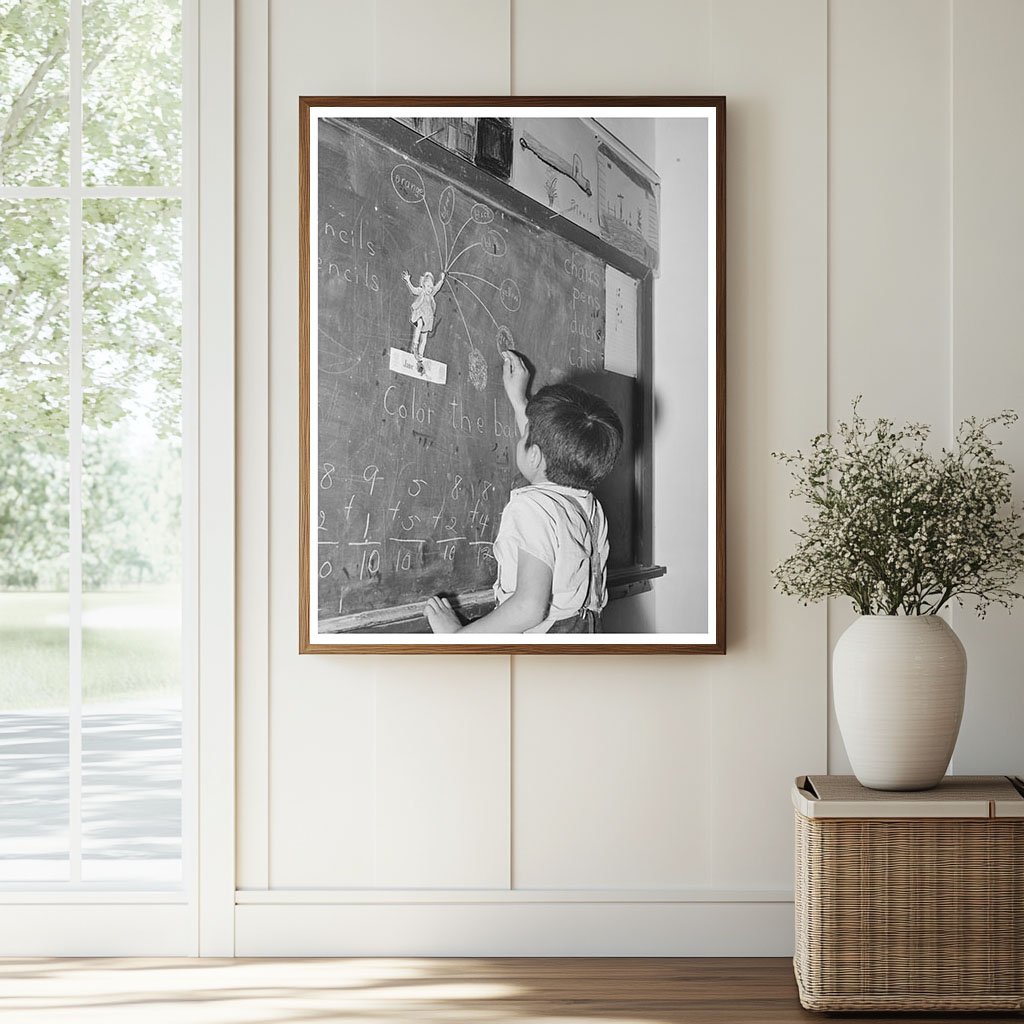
{"points": [[910, 901]]}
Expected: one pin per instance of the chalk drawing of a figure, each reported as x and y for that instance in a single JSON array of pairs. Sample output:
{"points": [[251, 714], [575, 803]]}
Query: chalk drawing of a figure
{"points": [[422, 315]]}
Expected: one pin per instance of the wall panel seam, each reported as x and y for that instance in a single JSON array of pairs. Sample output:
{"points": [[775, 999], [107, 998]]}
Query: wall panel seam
{"points": [[253, 458]]}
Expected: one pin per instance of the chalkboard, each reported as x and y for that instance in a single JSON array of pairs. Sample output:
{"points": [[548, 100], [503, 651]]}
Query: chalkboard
{"points": [[415, 459]]}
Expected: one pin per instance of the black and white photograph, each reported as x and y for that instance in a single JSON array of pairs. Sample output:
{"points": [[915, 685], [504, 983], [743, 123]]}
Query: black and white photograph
{"points": [[512, 375]]}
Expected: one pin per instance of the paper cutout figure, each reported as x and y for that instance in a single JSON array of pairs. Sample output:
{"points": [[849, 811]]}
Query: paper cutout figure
{"points": [[423, 307]]}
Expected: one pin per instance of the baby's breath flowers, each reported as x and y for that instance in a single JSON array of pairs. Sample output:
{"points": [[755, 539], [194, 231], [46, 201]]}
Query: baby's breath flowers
{"points": [[897, 529]]}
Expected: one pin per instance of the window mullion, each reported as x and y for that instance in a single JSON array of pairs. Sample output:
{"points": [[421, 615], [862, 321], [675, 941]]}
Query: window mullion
{"points": [[75, 302]]}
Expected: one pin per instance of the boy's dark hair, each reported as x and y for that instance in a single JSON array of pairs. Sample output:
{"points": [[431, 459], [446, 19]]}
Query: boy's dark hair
{"points": [[578, 433]]}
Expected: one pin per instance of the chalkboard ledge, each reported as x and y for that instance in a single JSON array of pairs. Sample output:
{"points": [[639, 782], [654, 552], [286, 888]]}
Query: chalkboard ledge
{"points": [[408, 618], [632, 581]]}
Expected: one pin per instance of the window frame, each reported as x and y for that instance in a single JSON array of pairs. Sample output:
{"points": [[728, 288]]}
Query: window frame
{"points": [[93, 918]]}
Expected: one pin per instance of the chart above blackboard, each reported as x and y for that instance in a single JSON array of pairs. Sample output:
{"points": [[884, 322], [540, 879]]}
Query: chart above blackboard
{"points": [[573, 166]]}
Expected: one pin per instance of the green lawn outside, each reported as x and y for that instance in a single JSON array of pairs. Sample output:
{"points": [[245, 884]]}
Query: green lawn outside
{"points": [[130, 647]]}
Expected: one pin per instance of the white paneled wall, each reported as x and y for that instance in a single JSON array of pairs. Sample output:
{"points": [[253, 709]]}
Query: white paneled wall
{"points": [[441, 794], [604, 48], [889, 198], [987, 309], [441, 47], [611, 775], [626, 805], [768, 693]]}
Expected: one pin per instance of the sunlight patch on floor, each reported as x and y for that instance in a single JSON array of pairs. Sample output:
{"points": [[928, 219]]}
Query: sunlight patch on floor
{"points": [[300, 991]]}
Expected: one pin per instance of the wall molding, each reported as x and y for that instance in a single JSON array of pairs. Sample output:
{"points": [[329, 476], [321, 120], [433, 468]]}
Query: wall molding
{"points": [[373, 897], [216, 471], [520, 928], [106, 926]]}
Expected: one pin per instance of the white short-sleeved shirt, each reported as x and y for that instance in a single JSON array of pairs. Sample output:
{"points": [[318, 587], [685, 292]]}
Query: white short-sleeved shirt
{"points": [[543, 521]]}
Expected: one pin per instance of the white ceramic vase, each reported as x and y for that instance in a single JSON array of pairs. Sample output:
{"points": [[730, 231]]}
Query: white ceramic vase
{"points": [[898, 684]]}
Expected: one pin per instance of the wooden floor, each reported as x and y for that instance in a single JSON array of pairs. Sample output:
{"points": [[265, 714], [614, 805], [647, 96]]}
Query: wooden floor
{"points": [[381, 991]]}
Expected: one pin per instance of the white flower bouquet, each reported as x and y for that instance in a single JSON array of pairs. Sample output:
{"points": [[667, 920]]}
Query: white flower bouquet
{"points": [[900, 530]]}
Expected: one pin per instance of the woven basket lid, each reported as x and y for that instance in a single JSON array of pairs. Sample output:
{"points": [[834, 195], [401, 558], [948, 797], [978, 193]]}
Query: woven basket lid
{"points": [[957, 796]]}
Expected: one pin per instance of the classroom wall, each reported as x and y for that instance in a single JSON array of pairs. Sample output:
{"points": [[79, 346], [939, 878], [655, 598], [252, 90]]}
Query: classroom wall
{"points": [[615, 805]]}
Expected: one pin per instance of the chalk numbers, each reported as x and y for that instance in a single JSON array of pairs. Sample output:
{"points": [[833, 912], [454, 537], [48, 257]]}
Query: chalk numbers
{"points": [[371, 475], [387, 537], [369, 565]]}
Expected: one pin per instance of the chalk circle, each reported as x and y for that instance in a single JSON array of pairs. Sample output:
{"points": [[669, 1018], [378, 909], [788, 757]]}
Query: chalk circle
{"points": [[510, 297], [481, 214], [495, 244], [408, 184], [446, 205], [477, 369], [504, 339]]}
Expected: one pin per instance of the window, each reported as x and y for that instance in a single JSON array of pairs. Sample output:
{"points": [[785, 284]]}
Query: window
{"points": [[95, 477]]}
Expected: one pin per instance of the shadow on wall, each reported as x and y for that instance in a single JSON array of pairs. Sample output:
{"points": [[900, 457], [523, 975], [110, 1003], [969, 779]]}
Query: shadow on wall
{"points": [[630, 614]]}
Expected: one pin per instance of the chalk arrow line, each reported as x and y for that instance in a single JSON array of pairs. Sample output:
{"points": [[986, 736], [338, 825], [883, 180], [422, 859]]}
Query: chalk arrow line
{"points": [[452, 262], [462, 273], [463, 228], [437, 242], [448, 282], [463, 284]]}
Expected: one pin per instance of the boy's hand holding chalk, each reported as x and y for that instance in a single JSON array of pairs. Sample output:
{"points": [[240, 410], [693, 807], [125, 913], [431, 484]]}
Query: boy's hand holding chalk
{"points": [[515, 376], [441, 615]]}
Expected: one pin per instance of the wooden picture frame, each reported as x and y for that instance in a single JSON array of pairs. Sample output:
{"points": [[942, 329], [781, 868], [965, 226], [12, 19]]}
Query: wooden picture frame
{"points": [[573, 251]]}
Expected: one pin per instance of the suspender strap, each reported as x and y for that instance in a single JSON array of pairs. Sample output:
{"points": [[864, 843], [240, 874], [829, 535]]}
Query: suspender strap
{"points": [[596, 597]]}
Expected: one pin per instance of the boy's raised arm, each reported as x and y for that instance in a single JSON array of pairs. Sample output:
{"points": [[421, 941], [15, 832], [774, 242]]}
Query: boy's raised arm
{"points": [[516, 378]]}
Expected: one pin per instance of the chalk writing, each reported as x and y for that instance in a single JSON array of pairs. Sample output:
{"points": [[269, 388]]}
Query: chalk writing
{"points": [[495, 244], [408, 184], [510, 297], [446, 205]]}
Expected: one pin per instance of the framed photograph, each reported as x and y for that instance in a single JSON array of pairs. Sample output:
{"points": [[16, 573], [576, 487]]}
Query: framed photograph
{"points": [[512, 376]]}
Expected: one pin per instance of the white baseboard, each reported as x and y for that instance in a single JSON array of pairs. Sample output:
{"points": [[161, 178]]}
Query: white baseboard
{"points": [[99, 928], [520, 928]]}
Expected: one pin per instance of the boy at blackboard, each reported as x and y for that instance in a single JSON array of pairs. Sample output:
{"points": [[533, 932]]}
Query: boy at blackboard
{"points": [[552, 545]]}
